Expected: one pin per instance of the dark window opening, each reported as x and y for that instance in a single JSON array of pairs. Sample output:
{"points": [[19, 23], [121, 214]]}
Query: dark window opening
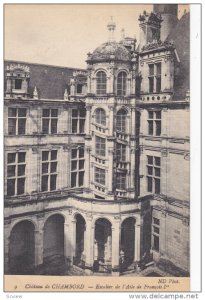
{"points": [[79, 88], [18, 84]]}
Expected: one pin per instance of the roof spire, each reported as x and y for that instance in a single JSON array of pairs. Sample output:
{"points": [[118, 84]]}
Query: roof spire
{"points": [[111, 28]]}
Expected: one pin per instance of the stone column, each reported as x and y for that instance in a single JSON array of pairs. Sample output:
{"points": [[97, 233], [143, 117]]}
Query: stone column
{"points": [[66, 165], [89, 83], [132, 169], [39, 231], [164, 186], [87, 167], [69, 235], [13, 83], [137, 254], [38, 247], [109, 174], [88, 119], [133, 78], [8, 85], [6, 248], [133, 121], [93, 85], [89, 244], [111, 120], [73, 237], [115, 248]]}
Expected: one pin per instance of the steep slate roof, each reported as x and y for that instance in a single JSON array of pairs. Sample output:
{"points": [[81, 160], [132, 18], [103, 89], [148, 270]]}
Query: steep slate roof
{"points": [[50, 81], [180, 34]]}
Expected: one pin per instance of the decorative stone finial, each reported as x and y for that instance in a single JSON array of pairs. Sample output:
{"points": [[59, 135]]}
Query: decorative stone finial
{"points": [[111, 28], [65, 95], [122, 33], [35, 94], [188, 95]]}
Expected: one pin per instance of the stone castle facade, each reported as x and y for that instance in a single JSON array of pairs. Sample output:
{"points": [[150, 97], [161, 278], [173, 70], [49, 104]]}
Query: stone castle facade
{"points": [[97, 160]]}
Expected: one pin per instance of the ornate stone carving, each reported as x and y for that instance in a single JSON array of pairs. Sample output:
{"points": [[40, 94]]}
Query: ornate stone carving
{"points": [[163, 214], [89, 216], [66, 148], [187, 156], [164, 153], [35, 150], [185, 221], [35, 94], [13, 67], [65, 96]]}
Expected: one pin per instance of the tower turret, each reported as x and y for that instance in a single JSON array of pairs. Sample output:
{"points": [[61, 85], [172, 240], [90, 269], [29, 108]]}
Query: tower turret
{"points": [[169, 14]]}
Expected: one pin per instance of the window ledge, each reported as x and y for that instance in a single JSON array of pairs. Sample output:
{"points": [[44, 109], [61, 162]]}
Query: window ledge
{"points": [[152, 137]]}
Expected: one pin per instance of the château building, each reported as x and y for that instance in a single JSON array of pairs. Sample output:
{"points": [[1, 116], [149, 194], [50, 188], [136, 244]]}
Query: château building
{"points": [[97, 160]]}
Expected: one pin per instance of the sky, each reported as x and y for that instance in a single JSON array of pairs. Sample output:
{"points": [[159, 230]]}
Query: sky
{"points": [[63, 34]]}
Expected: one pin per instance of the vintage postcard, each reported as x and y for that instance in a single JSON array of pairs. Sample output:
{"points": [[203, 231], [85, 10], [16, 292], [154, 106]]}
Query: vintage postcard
{"points": [[97, 147]]}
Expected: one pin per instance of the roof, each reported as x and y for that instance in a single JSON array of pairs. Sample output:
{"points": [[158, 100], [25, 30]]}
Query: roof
{"points": [[50, 81], [180, 34], [111, 51]]}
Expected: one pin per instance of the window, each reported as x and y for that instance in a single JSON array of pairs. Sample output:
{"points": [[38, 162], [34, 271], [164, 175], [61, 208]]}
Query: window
{"points": [[100, 176], [156, 233], [77, 167], [151, 78], [78, 120], [100, 146], [16, 168], [121, 181], [16, 121], [155, 78], [49, 170], [120, 152], [100, 116], [153, 174], [154, 123], [101, 83], [158, 77], [121, 84], [121, 120], [18, 84], [79, 88], [49, 121]]}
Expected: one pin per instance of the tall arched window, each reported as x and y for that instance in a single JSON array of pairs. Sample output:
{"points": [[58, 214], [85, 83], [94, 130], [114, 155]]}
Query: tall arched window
{"points": [[100, 116], [121, 120], [121, 83], [101, 83]]}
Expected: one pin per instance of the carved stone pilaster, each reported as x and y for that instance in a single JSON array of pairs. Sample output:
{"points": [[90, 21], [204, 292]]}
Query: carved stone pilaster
{"points": [[66, 148]]}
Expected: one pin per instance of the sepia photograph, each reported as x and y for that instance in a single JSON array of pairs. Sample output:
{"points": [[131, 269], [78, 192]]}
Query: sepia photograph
{"points": [[97, 142]]}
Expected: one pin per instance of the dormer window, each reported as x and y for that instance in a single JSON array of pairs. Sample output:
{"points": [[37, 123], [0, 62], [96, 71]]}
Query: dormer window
{"points": [[17, 81], [101, 83]]}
